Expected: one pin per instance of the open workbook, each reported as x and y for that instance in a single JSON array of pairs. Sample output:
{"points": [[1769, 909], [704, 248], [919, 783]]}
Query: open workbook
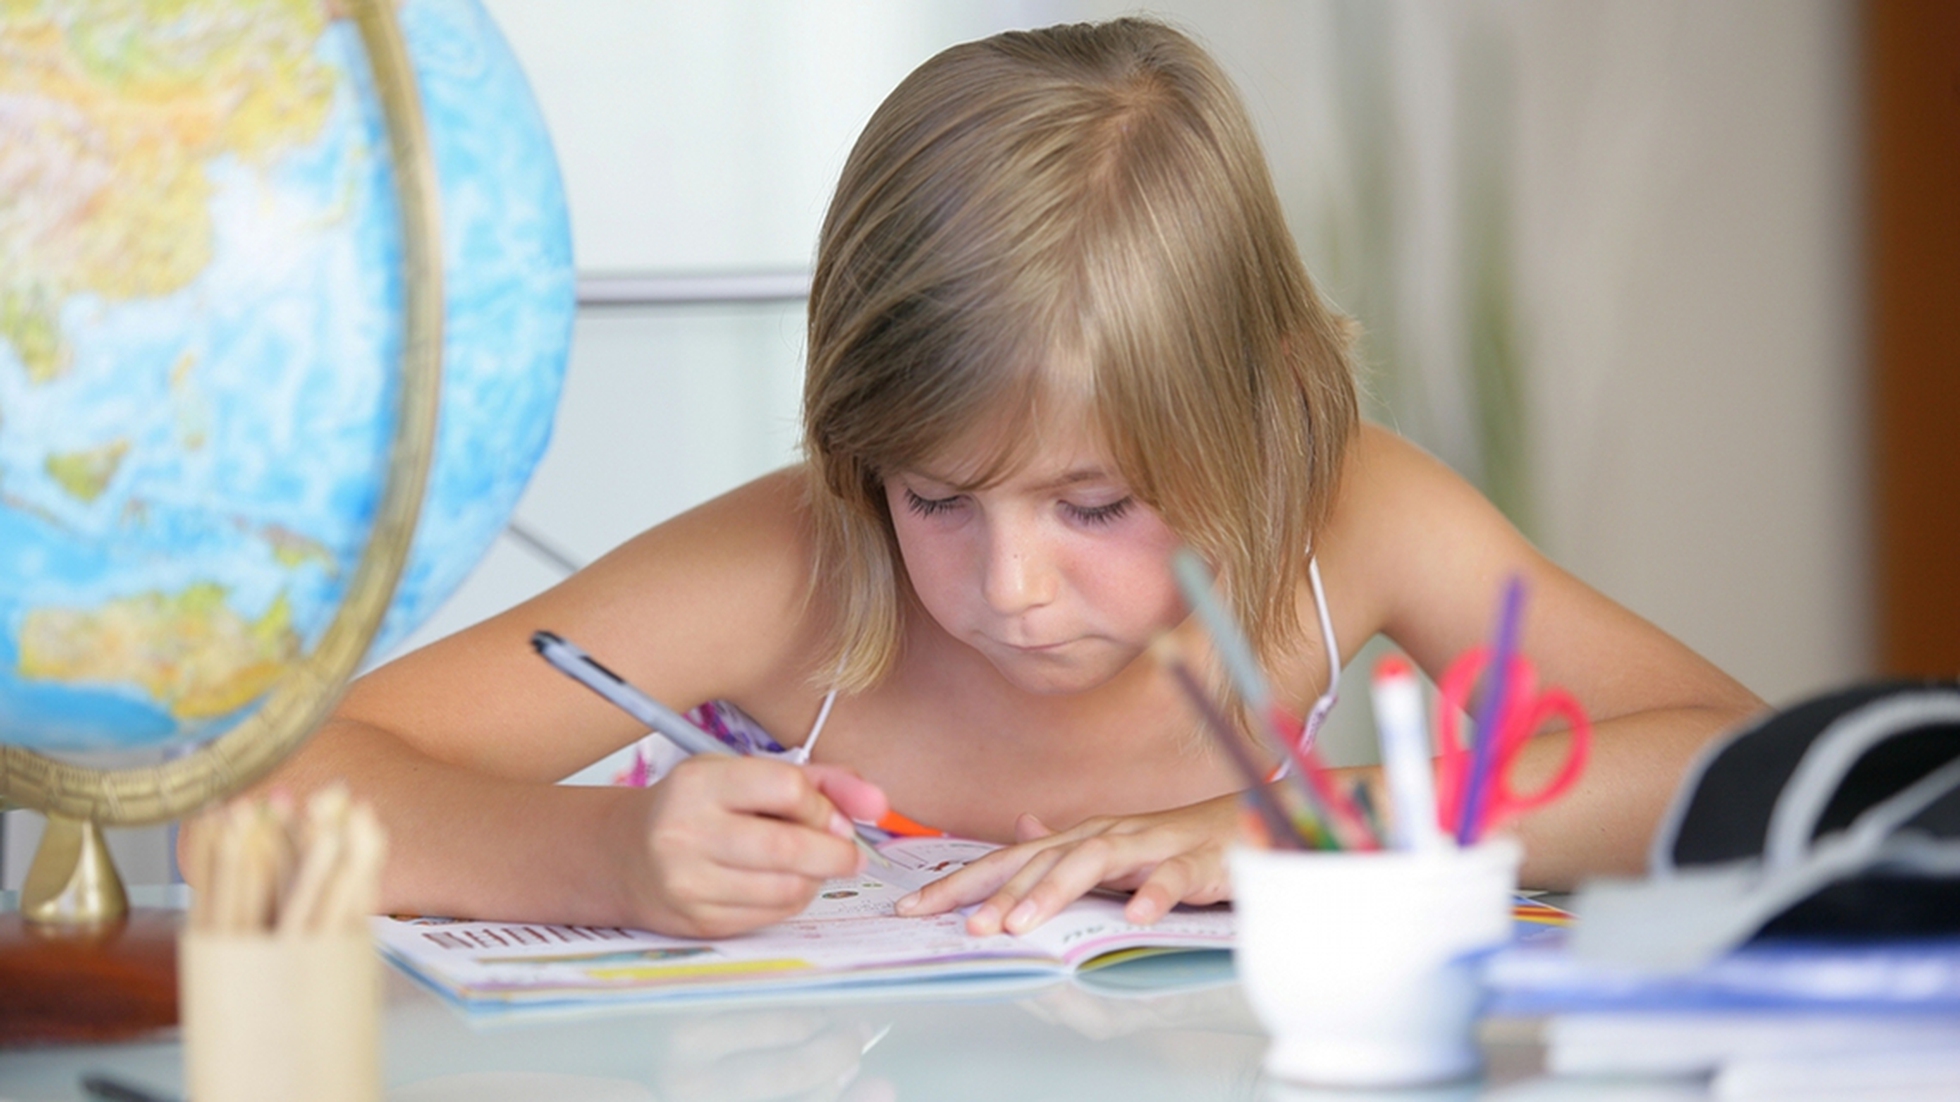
{"points": [[848, 937]]}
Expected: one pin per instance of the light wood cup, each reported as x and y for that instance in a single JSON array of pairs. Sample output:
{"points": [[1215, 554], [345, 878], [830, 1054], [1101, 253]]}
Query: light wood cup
{"points": [[296, 1018]]}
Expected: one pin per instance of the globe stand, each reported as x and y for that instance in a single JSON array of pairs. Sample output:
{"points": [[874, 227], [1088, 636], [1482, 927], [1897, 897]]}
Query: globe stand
{"points": [[76, 964], [73, 882]]}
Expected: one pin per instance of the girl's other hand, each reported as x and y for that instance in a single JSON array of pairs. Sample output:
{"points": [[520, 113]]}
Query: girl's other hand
{"points": [[725, 845], [1162, 859]]}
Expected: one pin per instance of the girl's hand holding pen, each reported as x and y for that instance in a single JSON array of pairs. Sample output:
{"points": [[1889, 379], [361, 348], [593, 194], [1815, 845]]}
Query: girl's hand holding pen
{"points": [[1162, 859], [730, 844]]}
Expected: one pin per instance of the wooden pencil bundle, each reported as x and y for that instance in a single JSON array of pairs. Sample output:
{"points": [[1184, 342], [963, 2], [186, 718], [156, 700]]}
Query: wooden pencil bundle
{"points": [[269, 869]]}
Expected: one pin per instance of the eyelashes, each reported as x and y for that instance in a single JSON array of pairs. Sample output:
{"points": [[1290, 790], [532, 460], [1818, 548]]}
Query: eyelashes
{"points": [[1086, 514], [1099, 514], [929, 506]]}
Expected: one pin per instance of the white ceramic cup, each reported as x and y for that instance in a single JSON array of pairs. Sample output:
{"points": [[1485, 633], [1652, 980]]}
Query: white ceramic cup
{"points": [[1363, 966]]}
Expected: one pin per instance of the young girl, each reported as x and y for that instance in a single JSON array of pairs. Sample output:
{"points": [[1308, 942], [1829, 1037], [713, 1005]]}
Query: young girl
{"points": [[1057, 330]]}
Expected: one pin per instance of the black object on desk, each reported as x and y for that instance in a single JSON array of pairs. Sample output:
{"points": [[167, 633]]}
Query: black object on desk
{"points": [[104, 1089]]}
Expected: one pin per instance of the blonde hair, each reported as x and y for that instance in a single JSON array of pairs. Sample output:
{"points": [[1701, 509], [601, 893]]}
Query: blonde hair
{"points": [[1076, 212]]}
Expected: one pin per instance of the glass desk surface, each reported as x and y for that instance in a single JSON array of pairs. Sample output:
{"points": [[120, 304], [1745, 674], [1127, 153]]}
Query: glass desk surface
{"points": [[1063, 1041]]}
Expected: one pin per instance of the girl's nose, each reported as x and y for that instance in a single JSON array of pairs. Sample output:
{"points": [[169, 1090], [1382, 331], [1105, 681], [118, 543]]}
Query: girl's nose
{"points": [[1018, 574]]}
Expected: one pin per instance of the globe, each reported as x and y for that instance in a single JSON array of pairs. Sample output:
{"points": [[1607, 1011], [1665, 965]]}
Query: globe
{"points": [[201, 288]]}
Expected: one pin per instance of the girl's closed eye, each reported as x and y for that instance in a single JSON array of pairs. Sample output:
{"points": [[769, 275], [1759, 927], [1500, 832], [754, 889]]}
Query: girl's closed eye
{"points": [[1099, 514], [929, 506]]}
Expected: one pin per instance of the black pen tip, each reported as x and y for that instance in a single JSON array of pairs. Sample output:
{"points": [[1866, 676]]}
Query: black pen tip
{"points": [[542, 639]]}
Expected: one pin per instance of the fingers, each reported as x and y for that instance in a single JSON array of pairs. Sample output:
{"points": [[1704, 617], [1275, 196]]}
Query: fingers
{"points": [[1108, 861], [1027, 828], [852, 794], [759, 843], [759, 786], [971, 884], [1004, 878], [1043, 888], [1167, 860], [732, 844], [1169, 884], [762, 816], [699, 896]]}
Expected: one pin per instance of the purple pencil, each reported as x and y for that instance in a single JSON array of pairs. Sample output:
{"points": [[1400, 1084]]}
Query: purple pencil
{"points": [[1490, 712]]}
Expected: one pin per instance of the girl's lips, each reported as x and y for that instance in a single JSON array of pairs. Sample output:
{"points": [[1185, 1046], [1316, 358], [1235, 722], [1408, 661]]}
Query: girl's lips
{"points": [[1032, 648], [1044, 648]]}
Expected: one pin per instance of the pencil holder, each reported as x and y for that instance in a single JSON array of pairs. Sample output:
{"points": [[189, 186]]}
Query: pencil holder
{"points": [[1362, 966], [296, 1018]]}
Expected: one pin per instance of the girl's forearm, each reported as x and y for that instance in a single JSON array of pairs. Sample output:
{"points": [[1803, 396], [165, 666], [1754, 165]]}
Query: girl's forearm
{"points": [[465, 843], [1605, 823]]}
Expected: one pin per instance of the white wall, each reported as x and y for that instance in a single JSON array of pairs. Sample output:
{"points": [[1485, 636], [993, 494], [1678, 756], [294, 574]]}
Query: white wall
{"points": [[1698, 348]]}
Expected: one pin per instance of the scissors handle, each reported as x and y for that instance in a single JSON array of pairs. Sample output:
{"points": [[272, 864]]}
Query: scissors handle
{"points": [[1528, 712], [1506, 802]]}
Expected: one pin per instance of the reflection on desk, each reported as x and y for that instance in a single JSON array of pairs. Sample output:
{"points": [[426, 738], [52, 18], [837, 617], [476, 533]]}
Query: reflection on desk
{"points": [[863, 1050], [1062, 1042]]}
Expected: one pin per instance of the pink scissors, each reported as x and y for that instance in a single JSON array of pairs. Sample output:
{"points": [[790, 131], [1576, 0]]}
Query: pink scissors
{"points": [[1526, 710]]}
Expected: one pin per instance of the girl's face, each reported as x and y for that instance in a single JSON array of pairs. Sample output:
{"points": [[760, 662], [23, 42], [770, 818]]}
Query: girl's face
{"points": [[1057, 575]]}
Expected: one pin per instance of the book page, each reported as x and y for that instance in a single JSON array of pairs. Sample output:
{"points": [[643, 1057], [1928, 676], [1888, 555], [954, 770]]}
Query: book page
{"points": [[848, 935], [515, 962], [1091, 927], [917, 861], [1094, 926]]}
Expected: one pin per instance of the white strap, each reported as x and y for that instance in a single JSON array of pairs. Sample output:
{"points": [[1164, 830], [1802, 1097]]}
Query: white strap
{"points": [[802, 752], [1326, 701]]}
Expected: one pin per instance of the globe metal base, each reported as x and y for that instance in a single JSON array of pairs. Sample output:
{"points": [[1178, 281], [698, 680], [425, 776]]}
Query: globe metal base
{"points": [[72, 883]]}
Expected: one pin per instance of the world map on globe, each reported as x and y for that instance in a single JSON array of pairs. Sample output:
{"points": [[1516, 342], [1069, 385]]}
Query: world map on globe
{"points": [[200, 329]]}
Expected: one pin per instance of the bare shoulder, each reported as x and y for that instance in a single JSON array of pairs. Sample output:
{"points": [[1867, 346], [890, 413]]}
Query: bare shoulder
{"points": [[1396, 510], [711, 603], [1424, 555], [1385, 472]]}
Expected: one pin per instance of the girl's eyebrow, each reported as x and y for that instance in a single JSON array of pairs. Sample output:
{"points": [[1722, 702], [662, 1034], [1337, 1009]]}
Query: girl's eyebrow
{"points": [[1075, 477]]}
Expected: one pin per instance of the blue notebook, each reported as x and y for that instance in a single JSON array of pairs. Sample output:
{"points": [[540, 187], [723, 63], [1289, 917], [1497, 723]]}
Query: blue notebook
{"points": [[1541, 976]]}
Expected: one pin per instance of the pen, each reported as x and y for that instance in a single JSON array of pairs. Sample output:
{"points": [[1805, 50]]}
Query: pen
{"points": [[581, 667], [1405, 756], [586, 670]]}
